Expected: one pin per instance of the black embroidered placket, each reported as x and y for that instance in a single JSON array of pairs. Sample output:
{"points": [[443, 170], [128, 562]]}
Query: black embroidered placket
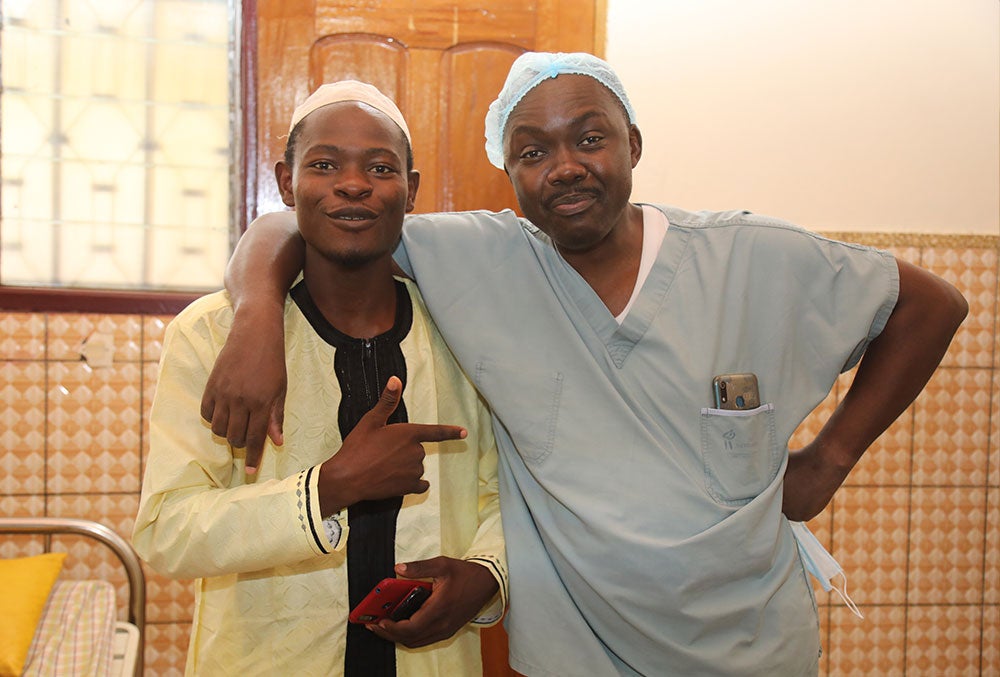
{"points": [[362, 367]]}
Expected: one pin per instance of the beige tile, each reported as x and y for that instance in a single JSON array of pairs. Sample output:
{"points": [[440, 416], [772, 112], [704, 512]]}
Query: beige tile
{"points": [[810, 427], [994, 458], [991, 641], [168, 600], [153, 328], [22, 336], [912, 254], [870, 646], [974, 273], [68, 331], [946, 546], [888, 461], [22, 427], [21, 506], [991, 577], [89, 559], [94, 428], [166, 649], [951, 429], [869, 539], [149, 375], [943, 640]]}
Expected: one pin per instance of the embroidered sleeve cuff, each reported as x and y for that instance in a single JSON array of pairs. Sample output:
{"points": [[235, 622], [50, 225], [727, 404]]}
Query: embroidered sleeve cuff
{"points": [[324, 535], [494, 610]]}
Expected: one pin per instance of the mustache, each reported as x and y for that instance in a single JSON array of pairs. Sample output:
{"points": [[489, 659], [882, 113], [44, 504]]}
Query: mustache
{"points": [[569, 195]]}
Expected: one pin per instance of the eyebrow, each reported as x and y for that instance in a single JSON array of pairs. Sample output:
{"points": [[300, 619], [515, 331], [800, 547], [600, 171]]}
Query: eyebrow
{"points": [[578, 120], [333, 150]]}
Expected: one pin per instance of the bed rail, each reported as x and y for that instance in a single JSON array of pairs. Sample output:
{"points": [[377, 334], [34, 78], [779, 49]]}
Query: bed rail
{"points": [[49, 526]]}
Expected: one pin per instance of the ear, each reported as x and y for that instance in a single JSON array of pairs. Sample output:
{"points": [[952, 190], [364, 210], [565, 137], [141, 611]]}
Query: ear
{"points": [[283, 175], [412, 183], [635, 144]]}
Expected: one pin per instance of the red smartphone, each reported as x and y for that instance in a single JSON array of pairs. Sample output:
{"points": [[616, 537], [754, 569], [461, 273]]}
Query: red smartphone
{"points": [[394, 598]]}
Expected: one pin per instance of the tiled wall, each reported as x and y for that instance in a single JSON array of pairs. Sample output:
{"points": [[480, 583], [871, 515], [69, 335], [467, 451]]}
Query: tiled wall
{"points": [[917, 526]]}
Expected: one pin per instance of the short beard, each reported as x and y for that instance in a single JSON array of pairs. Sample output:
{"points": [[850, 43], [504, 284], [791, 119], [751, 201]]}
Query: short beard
{"points": [[352, 260]]}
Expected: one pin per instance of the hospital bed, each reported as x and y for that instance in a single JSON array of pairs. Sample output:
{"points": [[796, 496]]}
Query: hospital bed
{"points": [[80, 617]]}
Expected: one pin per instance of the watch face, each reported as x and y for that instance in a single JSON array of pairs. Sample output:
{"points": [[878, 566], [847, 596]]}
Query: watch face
{"points": [[333, 530]]}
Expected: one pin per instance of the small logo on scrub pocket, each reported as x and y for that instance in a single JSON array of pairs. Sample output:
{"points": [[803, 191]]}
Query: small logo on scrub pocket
{"points": [[729, 436]]}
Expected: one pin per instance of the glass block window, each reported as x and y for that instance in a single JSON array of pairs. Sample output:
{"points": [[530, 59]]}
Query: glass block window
{"points": [[115, 158]]}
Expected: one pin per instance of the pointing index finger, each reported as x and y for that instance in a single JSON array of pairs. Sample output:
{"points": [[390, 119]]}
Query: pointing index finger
{"points": [[433, 432]]}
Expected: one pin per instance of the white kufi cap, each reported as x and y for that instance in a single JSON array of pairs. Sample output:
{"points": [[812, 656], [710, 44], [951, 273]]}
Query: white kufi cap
{"points": [[349, 90]]}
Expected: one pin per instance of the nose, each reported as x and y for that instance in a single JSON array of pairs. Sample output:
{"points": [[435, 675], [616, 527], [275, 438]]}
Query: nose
{"points": [[566, 167], [353, 182]]}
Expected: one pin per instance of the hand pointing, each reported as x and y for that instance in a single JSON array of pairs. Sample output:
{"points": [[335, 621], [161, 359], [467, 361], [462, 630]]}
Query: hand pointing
{"points": [[380, 459]]}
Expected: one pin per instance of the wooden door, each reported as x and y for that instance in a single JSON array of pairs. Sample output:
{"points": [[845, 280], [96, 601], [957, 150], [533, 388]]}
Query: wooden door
{"points": [[442, 61]]}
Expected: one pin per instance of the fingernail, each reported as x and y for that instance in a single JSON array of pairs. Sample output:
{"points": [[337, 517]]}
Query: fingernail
{"points": [[251, 470]]}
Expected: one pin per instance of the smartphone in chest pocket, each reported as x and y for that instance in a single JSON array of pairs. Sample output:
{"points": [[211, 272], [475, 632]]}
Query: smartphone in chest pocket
{"points": [[736, 391]]}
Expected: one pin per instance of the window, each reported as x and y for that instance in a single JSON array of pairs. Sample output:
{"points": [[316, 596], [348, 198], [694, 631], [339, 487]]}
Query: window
{"points": [[116, 119]]}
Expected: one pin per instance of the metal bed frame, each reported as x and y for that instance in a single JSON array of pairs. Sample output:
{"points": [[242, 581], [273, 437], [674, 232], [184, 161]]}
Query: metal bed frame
{"points": [[49, 526]]}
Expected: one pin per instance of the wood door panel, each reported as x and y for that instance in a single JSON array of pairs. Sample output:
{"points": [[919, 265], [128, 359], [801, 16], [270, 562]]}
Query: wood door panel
{"points": [[433, 24], [471, 76], [377, 59]]}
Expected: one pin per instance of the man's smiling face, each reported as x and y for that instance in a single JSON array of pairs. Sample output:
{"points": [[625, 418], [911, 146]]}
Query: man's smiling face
{"points": [[349, 183]]}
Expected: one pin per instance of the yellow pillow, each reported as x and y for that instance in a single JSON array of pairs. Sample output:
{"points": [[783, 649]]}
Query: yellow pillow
{"points": [[25, 584]]}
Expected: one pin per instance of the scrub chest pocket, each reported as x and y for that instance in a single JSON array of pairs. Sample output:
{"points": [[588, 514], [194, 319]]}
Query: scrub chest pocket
{"points": [[740, 453], [532, 399]]}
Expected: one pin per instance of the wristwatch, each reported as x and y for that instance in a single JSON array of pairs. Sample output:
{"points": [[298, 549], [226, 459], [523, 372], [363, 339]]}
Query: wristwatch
{"points": [[331, 525]]}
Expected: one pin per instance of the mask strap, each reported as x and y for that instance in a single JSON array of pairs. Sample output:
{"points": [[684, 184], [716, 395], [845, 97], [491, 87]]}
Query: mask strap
{"points": [[843, 594]]}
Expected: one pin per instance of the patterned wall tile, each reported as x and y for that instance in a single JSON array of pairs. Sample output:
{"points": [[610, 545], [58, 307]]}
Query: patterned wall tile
{"points": [[150, 372], [22, 427], [991, 641], [991, 576], [21, 506], [168, 600], [94, 426], [974, 273], [22, 336], [888, 461], [68, 331], [153, 329], [87, 558], [872, 646], [993, 462], [951, 429], [946, 546], [166, 649], [870, 535], [810, 427], [943, 640]]}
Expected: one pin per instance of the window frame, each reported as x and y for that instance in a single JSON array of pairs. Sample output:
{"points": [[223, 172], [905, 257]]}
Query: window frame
{"points": [[19, 298]]}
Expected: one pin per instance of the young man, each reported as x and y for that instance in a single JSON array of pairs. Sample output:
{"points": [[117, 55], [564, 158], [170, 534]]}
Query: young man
{"points": [[283, 551], [644, 520]]}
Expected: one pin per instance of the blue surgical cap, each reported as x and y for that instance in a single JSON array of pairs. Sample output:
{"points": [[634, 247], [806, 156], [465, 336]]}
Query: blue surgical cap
{"points": [[530, 69]]}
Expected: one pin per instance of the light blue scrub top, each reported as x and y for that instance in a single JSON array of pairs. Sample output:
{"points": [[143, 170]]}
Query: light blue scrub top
{"points": [[644, 529]]}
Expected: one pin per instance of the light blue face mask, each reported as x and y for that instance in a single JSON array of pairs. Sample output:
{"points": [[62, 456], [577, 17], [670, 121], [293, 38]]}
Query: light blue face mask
{"points": [[821, 564]]}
